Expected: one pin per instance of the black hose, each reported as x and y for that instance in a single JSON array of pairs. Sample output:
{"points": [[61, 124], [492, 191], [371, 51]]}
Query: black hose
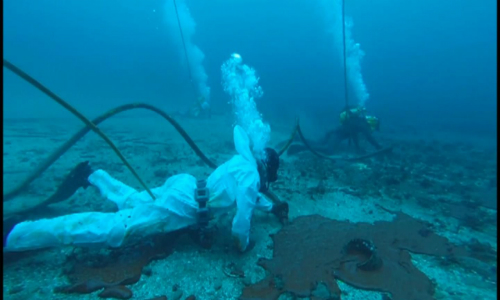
{"points": [[77, 136], [87, 122], [298, 130], [80, 134]]}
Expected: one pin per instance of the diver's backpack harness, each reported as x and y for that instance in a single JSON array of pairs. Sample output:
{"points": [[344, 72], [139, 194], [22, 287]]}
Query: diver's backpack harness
{"points": [[201, 195], [205, 232]]}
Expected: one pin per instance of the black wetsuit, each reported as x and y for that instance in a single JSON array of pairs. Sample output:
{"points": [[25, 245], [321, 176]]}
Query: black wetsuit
{"points": [[350, 130]]}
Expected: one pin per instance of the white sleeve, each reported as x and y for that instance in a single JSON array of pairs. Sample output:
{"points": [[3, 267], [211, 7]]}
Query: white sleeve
{"points": [[242, 143], [245, 204], [263, 203]]}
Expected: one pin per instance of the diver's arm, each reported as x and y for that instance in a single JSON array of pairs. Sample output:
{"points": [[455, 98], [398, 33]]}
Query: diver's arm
{"points": [[245, 203], [263, 203]]}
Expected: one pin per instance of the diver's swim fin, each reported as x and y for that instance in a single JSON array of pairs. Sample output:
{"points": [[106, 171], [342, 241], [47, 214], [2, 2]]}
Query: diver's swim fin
{"points": [[77, 178]]}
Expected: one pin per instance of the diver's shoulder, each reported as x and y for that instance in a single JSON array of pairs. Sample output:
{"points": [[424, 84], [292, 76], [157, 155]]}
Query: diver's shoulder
{"points": [[239, 163]]}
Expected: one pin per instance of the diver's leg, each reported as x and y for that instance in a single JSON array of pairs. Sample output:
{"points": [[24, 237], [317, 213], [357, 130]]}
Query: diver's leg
{"points": [[177, 194], [114, 190], [80, 228], [334, 139], [83, 176], [332, 134], [334, 145], [96, 228], [372, 141], [263, 203], [369, 137], [355, 139]]}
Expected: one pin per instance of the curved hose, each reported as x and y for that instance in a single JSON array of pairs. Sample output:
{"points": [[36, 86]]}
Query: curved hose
{"points": [[290, 140], [87, 122], [80, 134], [91, 126], [77, 136], [297, 130]]}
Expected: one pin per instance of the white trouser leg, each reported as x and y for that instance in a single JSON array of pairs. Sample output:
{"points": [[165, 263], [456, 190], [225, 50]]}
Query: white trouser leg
{"points": [[174, 209], [121, 194], [89, 228], [263, 203], [80, 228]]}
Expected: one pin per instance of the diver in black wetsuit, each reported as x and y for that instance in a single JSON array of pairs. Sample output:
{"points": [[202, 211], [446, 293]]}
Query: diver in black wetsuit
{"points": [[354, 122]]}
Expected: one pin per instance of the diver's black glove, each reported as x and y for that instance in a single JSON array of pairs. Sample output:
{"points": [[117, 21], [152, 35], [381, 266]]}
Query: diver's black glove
{"points": [[280, 210], [77, 178], [250, 246], [237, 246]]}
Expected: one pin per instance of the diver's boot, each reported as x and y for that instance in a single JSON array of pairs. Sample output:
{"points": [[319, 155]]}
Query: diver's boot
{"points": [[77, 178], [280, 210]]}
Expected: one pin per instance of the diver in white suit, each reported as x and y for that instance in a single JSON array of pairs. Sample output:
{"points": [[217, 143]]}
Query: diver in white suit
{"points": [[181, 202]]}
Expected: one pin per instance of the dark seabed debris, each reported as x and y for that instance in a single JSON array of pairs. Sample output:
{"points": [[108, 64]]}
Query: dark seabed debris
{"points": [[453, 186], [113, 271], [314, 249]]}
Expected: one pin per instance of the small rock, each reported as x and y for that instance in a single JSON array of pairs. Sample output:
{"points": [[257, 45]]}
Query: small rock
{"points": [[192, 297], [177, 295], [159, 298], [217, 285], [116, 292], [321, 291], [386, 297], [45, 290], [246, 281], [16, 289], [147, 271]]}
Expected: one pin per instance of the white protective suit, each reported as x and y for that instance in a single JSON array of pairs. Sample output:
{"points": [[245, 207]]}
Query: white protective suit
{"points": [[235, 183]]}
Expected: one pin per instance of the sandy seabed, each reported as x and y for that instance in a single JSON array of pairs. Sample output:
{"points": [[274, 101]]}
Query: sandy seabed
{"points": [[310, 185]]}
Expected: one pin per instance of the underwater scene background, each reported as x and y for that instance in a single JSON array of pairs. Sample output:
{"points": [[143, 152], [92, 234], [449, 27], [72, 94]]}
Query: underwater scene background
{"points": [[410, 214]]}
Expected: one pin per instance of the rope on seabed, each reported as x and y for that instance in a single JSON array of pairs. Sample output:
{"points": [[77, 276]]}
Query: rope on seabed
{"points": [[87, 122]]}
